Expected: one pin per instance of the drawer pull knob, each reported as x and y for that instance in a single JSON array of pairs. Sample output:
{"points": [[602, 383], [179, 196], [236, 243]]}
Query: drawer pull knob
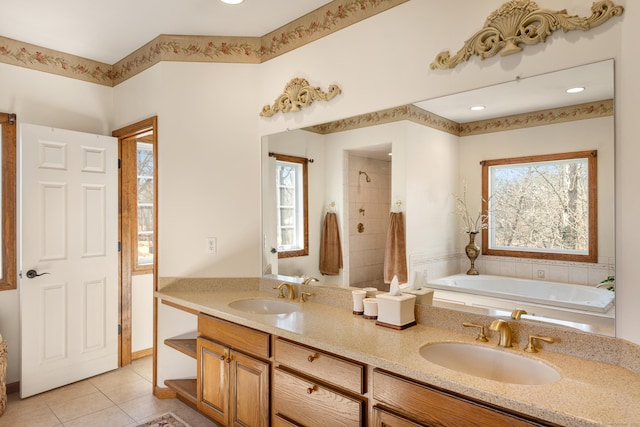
{"points": [[311, 389], [312, 357]]}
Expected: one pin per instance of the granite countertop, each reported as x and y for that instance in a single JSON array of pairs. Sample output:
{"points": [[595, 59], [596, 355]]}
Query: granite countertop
{"points": [[589, 393]]}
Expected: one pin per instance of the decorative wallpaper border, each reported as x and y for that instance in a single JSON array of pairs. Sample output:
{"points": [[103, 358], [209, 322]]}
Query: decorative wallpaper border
{"points": [[37, 58], [405, 112], [589, 110], [321, 22], [518, 121]]}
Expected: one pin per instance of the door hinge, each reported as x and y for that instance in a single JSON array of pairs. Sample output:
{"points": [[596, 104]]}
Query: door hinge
{"points": [[119, 329], [119, 163], [119, 246]]}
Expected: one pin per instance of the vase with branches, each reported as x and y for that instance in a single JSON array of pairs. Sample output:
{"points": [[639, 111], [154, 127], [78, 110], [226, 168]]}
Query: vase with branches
{"points": [[471, 225]]}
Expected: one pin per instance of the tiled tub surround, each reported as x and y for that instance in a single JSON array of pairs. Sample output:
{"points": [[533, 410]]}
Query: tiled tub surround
{"points": [[424, 267], [600, 382]]}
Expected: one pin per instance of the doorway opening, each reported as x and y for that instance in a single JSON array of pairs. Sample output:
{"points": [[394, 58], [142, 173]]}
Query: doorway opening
{"points": [[137, 150], [369, 183]]}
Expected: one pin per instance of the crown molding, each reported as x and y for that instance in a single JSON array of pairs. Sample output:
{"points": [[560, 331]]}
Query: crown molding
{"points": [[321, 22]]}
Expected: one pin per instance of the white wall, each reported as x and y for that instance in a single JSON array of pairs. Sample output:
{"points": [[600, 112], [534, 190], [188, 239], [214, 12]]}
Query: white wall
{"points": [[431, 178], [49, 100], [209, 163], [627, 200]]}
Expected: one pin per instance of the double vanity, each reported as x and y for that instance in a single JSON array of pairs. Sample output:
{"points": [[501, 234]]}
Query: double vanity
{"points": [[243, 356]]}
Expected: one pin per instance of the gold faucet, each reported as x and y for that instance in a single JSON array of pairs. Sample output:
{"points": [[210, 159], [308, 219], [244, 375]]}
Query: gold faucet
{"points": [[292, 296], [501, 326], [308, 280]]}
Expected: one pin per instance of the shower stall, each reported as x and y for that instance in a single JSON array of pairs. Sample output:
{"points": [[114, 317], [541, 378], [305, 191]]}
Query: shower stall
{"points": [[369, 184]]}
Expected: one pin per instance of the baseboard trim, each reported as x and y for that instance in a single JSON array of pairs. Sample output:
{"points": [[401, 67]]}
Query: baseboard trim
{"points": [[142, 353], [13, 387], [164, 393]]}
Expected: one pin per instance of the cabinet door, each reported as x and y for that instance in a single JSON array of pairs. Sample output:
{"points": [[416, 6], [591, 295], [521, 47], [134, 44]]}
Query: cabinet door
{"points": [[384, 418], [213, 380], [249, 393]]}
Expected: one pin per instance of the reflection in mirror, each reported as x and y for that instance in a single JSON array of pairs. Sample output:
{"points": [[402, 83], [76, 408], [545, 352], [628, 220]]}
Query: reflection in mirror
{"points": [[420, 155]]}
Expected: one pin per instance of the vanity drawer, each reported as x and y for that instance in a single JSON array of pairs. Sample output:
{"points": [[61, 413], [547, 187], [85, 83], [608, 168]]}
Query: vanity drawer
{"points": [[307, 403], [321, 365], [235, 336], [428, 405]]}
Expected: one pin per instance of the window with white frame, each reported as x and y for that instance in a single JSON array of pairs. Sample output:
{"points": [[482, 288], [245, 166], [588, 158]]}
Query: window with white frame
{"points": [[292, 216]]}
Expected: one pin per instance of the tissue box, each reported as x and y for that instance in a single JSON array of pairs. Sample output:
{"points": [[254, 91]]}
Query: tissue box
{"points": [[424, 296], [396, 311]]}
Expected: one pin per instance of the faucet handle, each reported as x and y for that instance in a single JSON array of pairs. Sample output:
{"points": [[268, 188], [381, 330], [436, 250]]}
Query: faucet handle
{"points": [[281, 294], [530, 348], [517, 313], [304, 295], [481, 336]]}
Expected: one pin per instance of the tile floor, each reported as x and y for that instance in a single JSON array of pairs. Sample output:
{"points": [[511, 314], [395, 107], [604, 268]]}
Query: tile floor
{"points": [[120, 398]]}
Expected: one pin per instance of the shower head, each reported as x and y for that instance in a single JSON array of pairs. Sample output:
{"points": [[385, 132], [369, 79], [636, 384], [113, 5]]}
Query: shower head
{"points": [[366, 176]]}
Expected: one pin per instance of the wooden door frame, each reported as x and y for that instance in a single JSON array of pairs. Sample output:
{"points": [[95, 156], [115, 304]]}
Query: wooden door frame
{"points": [[125, 262]]}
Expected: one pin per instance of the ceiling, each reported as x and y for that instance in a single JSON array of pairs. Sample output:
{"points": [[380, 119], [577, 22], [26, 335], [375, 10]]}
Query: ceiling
{"points": [[523, 95], [107, 31]]}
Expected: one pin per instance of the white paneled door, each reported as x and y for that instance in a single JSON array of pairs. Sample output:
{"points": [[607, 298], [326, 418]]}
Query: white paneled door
{"points": [[69, 256]]}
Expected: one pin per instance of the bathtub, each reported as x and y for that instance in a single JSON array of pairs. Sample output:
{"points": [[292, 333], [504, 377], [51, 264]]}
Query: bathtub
{"points": [[578, 297]]}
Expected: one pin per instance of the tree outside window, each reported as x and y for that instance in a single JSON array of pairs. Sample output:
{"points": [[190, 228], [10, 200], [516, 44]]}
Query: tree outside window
{"points": [[292, 206], [542, 206]]}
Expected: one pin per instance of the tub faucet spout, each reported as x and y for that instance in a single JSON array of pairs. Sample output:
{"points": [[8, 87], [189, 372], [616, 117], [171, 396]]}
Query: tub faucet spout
{"points": [[501, 326]]}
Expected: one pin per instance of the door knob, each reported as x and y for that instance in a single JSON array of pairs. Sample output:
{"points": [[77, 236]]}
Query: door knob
{"points": [[274, 251], [33, 273]]}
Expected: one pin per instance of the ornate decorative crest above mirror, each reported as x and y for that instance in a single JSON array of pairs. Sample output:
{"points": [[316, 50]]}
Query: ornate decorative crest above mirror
{"points": [[436, 145], [299, 93], [523, 22]]}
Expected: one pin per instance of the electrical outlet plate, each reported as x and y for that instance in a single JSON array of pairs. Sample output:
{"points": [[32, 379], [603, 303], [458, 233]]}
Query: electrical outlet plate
{"points": [[211, 245]]}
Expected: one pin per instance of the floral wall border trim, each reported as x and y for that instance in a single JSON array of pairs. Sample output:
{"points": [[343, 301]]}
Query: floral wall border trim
{"points": [[299, 93], [590, 110], [417, 115], [523, 22], [14, 52], [321, 22]]}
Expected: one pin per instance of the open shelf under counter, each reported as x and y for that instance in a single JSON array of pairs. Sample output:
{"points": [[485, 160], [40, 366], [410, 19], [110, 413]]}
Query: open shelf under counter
{"points": [[185, 388], [184, 345]]}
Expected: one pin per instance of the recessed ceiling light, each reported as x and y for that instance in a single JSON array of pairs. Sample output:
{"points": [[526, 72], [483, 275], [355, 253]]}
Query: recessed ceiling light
{"points": [[478, 108], [232, 1], [575, 90]]}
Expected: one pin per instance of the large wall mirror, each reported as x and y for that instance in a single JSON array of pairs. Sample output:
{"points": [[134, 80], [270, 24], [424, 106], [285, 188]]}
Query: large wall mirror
{"points": [[415, 158]]}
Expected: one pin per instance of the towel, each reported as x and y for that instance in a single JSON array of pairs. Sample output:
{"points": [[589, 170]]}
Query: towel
{"points": [[330, 248], [395, 253]]}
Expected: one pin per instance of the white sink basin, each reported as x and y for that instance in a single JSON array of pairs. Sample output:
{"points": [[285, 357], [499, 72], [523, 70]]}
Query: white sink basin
{"points": [[263, 306], [491, 363]]}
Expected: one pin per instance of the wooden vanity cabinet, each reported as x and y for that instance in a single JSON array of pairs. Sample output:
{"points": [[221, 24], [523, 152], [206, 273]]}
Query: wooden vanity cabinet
{"points": [[232, 385], [315, 388], [401, 402]]}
